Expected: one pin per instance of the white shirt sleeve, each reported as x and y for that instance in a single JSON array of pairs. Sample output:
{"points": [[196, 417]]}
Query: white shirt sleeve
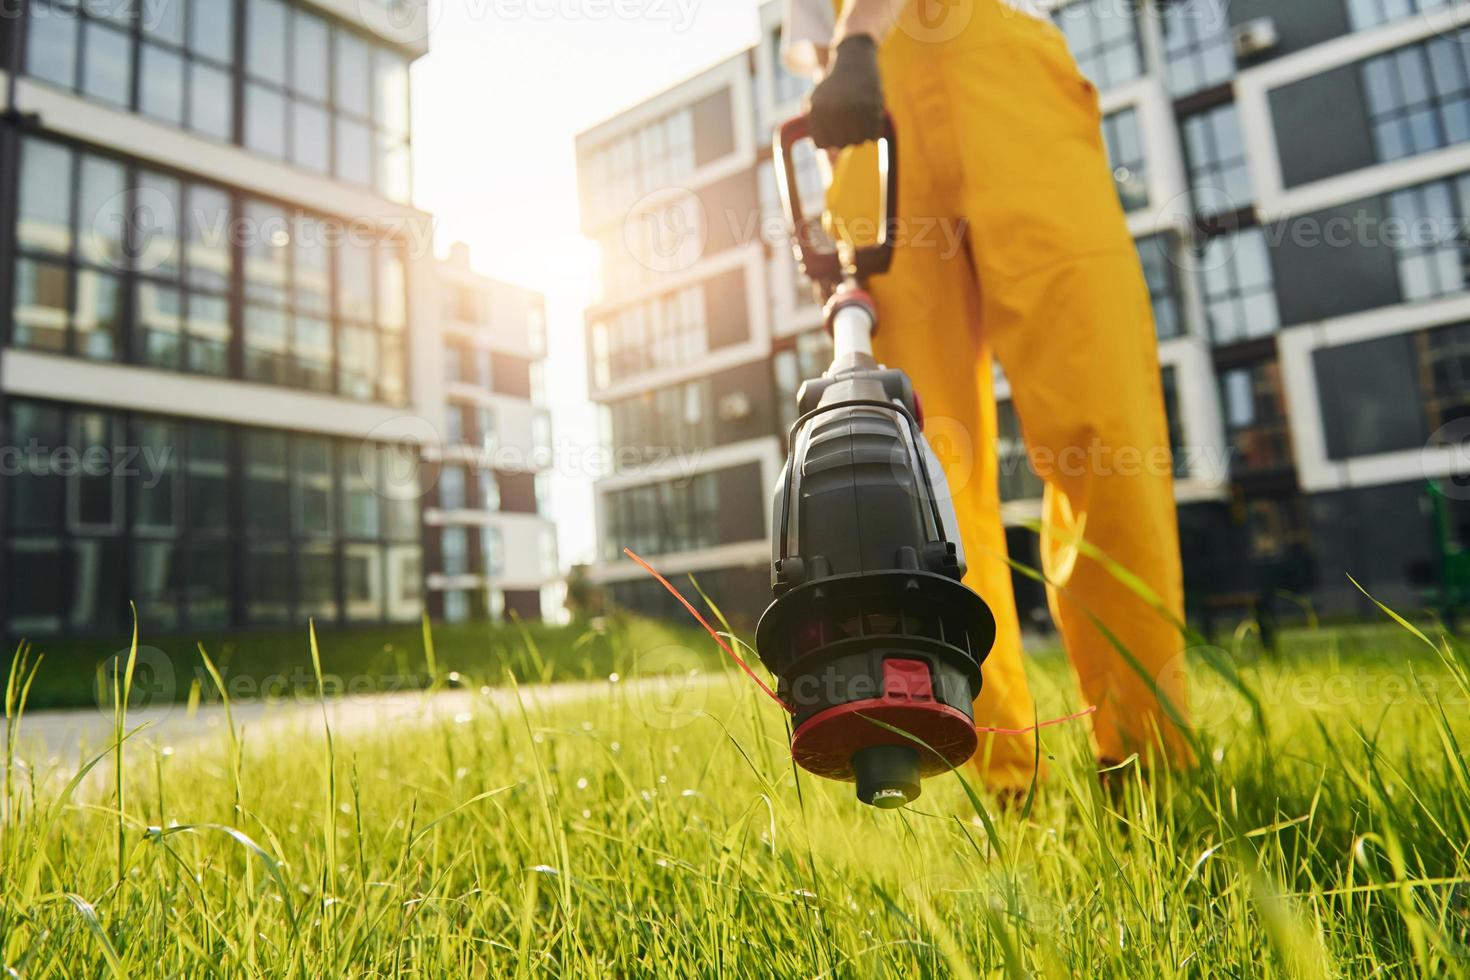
{"points": [[807, 31]]}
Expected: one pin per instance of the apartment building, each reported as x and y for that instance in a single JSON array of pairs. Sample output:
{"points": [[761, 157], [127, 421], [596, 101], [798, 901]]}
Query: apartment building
{"points": [[491, 543], [220, 324], [1296, 177]]}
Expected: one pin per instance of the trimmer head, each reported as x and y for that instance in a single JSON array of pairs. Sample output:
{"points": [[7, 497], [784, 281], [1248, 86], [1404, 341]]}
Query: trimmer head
{"points": [[880, 669]]}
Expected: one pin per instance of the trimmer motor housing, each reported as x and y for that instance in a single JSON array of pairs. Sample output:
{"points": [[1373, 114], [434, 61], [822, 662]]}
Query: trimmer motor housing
{"points": [[876, 644]]}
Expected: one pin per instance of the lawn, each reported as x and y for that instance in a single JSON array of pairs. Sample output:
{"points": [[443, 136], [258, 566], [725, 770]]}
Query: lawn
{"points": [[652, 825]]}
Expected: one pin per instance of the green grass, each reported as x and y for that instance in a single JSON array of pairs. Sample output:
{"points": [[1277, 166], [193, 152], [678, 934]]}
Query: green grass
{"points": [[660, 830], [357, 660]]}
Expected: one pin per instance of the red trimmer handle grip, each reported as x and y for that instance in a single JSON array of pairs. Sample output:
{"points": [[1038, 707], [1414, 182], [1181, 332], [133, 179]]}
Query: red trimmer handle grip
{"points": [[824, 265]]}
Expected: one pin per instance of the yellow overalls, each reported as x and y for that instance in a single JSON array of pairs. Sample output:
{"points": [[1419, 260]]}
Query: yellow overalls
{"points": [[997, 129]]}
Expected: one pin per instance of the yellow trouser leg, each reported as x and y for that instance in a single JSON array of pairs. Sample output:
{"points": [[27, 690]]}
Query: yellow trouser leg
{"points": [[997, 127]]}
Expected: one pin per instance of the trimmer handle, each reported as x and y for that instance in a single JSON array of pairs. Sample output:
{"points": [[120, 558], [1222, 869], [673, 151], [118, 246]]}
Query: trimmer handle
{"points": [[824, 266]]}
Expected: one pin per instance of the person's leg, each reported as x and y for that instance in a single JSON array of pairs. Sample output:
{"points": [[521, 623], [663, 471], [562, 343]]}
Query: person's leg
{"points": [[929, 327], [1067, 312]]}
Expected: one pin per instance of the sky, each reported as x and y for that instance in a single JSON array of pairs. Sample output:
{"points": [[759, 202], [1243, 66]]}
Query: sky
{"points": [[497, 103]]}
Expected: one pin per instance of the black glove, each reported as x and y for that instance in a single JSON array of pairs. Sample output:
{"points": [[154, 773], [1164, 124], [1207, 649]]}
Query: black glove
{"points": [[846, 107]]}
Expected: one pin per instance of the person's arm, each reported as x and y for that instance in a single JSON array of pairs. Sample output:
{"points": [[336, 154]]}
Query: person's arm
{"points": [[846, 107], [875, 18]]}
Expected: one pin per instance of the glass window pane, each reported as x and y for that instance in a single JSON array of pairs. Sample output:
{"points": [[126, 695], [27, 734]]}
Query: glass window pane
{"points": [[311, 278], [155, 582], [36, 601], [357, 361], [207, 584], [156, 207], [312, 496], [51, 45], [165, 21], [309, 133], [267, 252], [265, 344], [360, 477], [212, 29], [311, 353], [352, 88], [208, 483], [309, 56], [316, 582], [390, 107], [153, 476], [99, 601], [394, 168], [161, 84], [95, 499], [393, 379], [265, 40], [355, 281], [267, 499], [209, 334], [107, 68], [267, 584], [37, 491], [354, 151], [207, 227], [45, 197], [211, 109], [39, 314], [363, 581], [102, 211], [158, 312], [265, 121], [98, 319], [392, 295]]}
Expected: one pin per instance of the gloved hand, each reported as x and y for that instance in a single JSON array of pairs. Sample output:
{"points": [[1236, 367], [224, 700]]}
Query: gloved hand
{"points": [[846, 107]]}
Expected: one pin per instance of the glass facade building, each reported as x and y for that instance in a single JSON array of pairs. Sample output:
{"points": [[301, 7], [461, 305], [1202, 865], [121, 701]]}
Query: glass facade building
{"points": [[1294, 176], [214, 320]]}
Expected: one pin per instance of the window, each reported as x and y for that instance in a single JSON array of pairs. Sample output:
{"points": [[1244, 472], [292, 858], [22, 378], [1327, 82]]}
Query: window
{"points": [[1219, 174], [1240, 297], [314, 94], [1433, 250], [492, 551], [455, 546], [1160, 271], [811, 356], [145, 510], [1256, 423], [1418, 97], [1125, 153], [1363, 14], [489, 491], [1276, 527], [1443, 361], [1199, 49], [637, 163], [1018, 481], [666, 332], [456, 606], [678, 417], [143, 266], [1175, 421], [664, 518], [452, 488], [1103, 36]]}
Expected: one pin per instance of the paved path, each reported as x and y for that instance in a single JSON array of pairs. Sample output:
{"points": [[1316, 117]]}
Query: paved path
{"points": [[62, 738]]}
